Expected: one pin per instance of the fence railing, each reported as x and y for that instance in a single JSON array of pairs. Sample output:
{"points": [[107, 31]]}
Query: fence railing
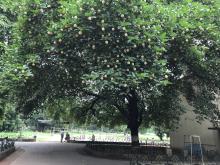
{"points": [[125, 139], [170, 157]]}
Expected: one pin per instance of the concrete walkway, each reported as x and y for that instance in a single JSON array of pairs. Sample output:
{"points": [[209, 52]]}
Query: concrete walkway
{"points": [[54, 153]]}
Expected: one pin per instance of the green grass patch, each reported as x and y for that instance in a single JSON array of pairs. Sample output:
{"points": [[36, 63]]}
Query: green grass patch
{"points": [[80, 135]]}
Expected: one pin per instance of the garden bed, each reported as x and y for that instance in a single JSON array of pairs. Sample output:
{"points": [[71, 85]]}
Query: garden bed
{"points": [[142, 153], [122, 150], [26, 140]]}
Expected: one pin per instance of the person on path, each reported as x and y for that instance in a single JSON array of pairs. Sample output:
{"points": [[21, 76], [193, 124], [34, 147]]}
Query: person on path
{"points": [[62, 135], [67, 138], [93, 137]]}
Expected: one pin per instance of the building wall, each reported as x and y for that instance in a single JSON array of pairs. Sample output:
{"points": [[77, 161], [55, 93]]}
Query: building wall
{"points": [[218, 142], [189, 126]]}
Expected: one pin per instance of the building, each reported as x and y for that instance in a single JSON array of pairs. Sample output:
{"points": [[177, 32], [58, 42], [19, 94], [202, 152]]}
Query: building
{"points": [[208, 132]]}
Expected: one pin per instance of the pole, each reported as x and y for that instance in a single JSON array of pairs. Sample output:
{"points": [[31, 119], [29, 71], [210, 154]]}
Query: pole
{"points": [[201, 150], [191, 139]]}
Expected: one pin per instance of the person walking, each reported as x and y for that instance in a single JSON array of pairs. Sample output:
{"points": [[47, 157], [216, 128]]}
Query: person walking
{"points": [[62, 135], [93, 137]]}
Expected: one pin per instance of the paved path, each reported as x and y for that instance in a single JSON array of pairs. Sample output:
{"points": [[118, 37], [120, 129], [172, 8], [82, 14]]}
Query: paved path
{"points": [[54, 153]]}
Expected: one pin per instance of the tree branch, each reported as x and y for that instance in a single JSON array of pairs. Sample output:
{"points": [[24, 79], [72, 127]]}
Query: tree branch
{"points": [[122, 111]]}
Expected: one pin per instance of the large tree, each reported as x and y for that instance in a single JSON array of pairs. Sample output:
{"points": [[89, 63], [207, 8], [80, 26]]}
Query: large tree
{"points": [[131, 58], [143, 54]]}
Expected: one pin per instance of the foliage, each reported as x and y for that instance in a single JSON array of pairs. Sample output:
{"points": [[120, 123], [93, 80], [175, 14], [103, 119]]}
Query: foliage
{"points": [[60, 110], [12, 70], [51, 79], [127, 61], [12, 121]]}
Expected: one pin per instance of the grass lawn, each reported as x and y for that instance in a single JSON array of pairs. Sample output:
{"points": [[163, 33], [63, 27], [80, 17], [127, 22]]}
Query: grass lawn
{"points": [[117, 137], [41, 136], [81, 135]]}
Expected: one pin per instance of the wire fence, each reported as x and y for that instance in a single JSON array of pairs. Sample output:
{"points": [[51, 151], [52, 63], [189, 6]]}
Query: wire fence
{"points": [[154, 157]]}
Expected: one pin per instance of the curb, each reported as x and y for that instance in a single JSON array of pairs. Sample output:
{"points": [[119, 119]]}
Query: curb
{"points": [[106, 155], [6, 153]]}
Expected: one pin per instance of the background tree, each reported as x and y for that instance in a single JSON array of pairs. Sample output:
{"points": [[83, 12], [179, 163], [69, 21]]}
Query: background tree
{"points": [[12, 121], [12, 70]]}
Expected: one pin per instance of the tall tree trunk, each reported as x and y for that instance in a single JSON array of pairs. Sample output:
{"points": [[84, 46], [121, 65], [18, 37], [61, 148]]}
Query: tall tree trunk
{"points": [[133, 116], [134, 136]]}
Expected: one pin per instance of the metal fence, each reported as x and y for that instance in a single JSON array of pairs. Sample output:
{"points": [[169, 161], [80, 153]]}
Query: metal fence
{"points": [[153, 157]]}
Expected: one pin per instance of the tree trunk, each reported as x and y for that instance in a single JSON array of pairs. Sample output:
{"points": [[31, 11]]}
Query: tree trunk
{"points": [[133, 116], [134, 137]]}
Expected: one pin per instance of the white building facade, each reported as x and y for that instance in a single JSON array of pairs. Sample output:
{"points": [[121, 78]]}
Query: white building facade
{"points": [[208, 133]]}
